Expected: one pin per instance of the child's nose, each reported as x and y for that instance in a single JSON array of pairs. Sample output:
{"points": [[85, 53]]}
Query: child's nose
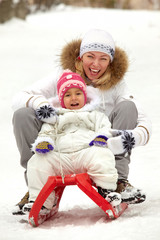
{"points": [[73, 96]]}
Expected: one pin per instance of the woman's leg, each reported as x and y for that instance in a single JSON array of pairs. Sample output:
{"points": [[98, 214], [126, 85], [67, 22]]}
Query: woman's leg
{"points": [[124, 116], [26, 127]]}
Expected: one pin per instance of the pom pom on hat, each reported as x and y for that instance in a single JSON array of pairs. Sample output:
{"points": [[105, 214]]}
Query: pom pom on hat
{"points": [[99, 41], [70, 80]]}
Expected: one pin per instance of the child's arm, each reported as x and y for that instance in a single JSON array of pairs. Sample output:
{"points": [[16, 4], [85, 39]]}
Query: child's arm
{"points": [[45, 141], [102, 124]]}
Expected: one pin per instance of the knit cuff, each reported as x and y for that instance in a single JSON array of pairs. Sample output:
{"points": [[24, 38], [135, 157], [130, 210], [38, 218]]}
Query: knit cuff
{"points": [[37, 101]]}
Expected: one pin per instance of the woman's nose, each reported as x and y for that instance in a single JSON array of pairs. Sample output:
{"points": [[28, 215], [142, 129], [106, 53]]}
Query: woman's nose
{"points": [[96, 62]]}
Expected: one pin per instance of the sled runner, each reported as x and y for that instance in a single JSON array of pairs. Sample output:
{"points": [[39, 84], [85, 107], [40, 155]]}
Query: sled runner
{"points": [[58, 184]]}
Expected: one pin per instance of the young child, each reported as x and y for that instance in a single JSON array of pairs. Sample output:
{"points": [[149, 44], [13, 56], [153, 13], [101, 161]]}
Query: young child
{"points": [[67, 145]]}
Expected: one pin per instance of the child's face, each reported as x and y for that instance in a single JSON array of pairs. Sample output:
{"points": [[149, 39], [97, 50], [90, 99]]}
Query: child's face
{"points": [[74, 99], [95, 64]]}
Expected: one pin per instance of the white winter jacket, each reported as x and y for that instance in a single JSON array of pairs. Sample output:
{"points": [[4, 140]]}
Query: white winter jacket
{"points": [[74, 130]]}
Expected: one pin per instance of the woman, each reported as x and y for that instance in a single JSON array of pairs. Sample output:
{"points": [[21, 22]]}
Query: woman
{"points": [[103, 66]]}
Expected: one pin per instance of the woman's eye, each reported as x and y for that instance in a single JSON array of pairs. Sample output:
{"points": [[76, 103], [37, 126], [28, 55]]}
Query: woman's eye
{"points": [[90, 56], [104, 59]]}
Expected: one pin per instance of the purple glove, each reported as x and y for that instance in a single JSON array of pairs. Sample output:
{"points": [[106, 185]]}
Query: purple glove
{"points": [[44, 147], [100, 141]]}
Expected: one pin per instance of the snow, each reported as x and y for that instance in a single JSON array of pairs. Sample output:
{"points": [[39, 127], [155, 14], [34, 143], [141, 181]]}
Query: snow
{"points": [[29, 51]]}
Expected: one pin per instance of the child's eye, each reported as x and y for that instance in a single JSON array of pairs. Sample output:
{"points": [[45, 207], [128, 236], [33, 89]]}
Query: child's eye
{"points": [[67, 95], [79, 93]]}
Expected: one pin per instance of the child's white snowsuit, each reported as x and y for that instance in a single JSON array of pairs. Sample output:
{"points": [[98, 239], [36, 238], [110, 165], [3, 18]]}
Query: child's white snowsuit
{"points": [[70, 137]]}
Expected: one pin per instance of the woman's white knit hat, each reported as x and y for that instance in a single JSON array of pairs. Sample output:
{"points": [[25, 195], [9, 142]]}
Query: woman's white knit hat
{"points": [[99, 41]]}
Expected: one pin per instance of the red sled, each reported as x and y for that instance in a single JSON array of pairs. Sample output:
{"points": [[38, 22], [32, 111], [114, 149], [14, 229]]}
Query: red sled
{"points": [[58, 184]]}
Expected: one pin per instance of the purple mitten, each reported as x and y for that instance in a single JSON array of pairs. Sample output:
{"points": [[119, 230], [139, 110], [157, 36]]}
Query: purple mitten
{"points": [[100, 141], [44, 147]]}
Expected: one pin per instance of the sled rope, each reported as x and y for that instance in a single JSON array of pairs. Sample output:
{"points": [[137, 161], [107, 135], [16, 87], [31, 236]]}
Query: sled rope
{"points": [[60, 161]]}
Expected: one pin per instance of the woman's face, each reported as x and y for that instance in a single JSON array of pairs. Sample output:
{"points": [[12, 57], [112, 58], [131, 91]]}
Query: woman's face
{"points": [[95, 64]]}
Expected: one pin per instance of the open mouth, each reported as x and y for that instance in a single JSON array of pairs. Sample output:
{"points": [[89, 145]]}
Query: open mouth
{"points": [[74, 104], [94, 71]]}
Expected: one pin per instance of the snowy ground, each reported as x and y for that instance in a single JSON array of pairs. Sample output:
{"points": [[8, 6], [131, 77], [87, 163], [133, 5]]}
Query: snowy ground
{"points": [[29, 51]]}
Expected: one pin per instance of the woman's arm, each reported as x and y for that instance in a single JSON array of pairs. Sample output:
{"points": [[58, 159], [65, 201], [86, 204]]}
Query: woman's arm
{"points": [[37, 94]]}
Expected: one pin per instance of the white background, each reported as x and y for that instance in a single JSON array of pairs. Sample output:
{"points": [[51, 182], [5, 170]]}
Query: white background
{"points": [[29, 51]]}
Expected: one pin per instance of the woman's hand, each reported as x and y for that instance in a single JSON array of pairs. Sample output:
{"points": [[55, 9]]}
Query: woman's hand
{"points": [[47, 114]]}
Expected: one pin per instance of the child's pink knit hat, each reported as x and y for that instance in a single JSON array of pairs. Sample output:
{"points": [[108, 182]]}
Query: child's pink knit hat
{"points": [[70, 80]]}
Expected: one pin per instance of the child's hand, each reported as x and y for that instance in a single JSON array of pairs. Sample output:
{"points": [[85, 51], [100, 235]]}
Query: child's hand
{"points": [[100, 141], [44, 147]]}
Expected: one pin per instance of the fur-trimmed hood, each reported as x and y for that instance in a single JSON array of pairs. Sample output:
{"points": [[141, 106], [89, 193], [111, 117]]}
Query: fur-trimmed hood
{"points": [[114, 73]]}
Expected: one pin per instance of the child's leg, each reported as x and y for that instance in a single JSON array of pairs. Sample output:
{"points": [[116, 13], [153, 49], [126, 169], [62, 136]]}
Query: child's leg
{"points": [[38, 171], [99, 163], [40, 167]]}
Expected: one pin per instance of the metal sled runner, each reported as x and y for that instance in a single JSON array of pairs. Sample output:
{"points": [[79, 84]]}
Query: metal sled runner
{"points": [[57, 184]]}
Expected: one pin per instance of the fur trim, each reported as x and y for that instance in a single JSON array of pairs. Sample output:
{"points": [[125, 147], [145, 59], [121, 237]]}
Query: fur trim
{"points": [[93, 99], [39, 140], [69, 55], [114, 74], [54, 101]]}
